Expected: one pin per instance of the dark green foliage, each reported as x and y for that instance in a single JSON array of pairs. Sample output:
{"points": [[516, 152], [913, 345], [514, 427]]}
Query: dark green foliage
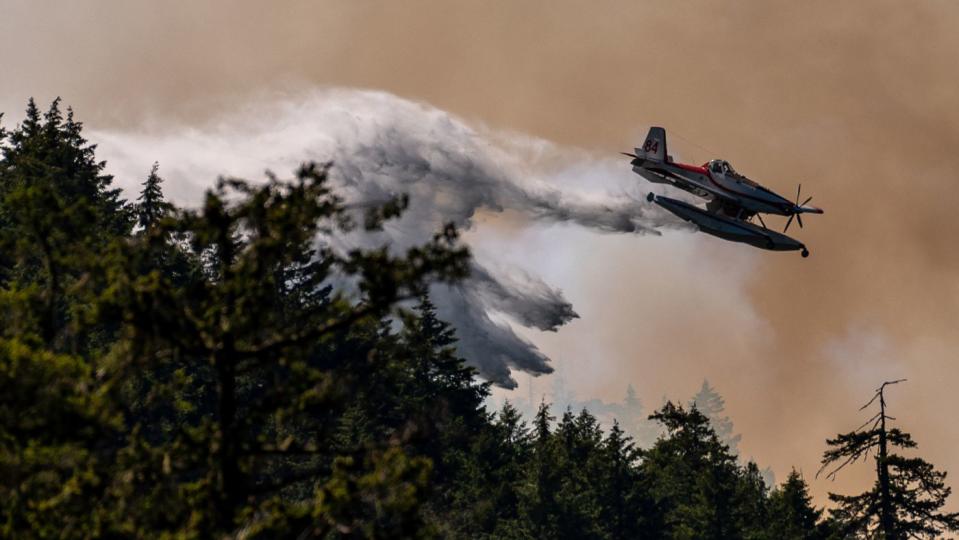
{"points": [[57, 212], [151, 206], [691, 478], [53, 421], [222, 371], [188, 379], [792, 515], [907, 498], [620, 501], [275, 368], [59, 428]]}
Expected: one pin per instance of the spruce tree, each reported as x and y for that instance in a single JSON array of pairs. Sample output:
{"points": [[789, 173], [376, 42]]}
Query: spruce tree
{"points": [[580, 466], [542, 480], [712, 405], [151, 206], [792, 515], [272, 378], [691, 478], [620, 500], [61, 429], [636, 424], [57, 211], [907, 497]]}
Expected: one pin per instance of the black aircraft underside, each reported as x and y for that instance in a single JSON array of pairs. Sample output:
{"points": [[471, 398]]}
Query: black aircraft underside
{"points": [[728, 209], [681, 183], [729, 228]]}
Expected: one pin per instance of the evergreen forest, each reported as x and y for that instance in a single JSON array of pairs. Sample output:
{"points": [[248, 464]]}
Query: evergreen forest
{"points": [[225, 371]]}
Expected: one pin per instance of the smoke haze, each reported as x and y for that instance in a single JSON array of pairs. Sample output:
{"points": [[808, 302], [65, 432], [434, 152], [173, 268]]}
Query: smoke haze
{"points": [[856, 100], [382, 146]]}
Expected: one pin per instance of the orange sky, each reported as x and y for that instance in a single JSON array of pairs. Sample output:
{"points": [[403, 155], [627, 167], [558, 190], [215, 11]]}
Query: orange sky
{"points": [[859, 101]]}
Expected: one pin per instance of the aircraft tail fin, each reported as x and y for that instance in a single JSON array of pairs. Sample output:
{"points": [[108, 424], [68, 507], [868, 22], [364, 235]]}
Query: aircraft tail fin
{"points": [[654, 148]]}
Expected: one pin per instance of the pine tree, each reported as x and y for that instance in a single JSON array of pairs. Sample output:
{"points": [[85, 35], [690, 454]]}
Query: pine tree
{"points": [[907, 498], [711, 404], [443, 405], [691, 478], [635, 423], [579, 445], [620, 501], [502, 458], [633, 417], [274, 374], [152, 207], [61, 428], [538, 505], [792, 515], [57, 211]]}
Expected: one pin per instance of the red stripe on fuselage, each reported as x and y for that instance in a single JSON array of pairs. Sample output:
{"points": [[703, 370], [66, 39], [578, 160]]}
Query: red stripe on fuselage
{"points": [[704, 171], [692, 168]]}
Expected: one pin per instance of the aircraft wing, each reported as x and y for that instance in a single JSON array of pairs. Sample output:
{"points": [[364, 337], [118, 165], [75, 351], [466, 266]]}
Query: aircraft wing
{"points": [[714, 190], [691, 183]]}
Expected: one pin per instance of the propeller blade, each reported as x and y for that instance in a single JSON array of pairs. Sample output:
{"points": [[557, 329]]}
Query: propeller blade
{"points": [[806, 201], [798, 191], [799, 219], [761, 221], [789, 222]]}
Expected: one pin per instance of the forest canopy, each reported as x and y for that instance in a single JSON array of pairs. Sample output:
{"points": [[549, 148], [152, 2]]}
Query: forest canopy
{"points": [[224, 371]]}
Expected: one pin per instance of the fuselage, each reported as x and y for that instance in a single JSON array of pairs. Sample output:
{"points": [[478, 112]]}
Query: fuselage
{"points": [[717, 181]]}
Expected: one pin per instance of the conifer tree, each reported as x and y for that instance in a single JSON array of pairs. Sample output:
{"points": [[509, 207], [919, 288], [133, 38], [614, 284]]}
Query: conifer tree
{"points": [[620, 502], [503, 457], [691, 478], [792, 515], [151, 206], [57, 210], [60, 430], [907, 498], [636, 424], [712, 405], [580, 465], [539, 489], [442, 404], [267, 373]]}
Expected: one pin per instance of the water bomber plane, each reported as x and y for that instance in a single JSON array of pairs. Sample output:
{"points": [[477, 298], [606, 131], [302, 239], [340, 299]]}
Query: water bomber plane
{"points": [[732, 200]]}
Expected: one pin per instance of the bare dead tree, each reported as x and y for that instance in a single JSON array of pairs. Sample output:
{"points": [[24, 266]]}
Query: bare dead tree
{"points": [[908, 493]]}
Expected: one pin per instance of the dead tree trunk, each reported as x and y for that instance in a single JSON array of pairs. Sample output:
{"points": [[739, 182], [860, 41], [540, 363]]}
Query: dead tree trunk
{"points": [[886, 518]]}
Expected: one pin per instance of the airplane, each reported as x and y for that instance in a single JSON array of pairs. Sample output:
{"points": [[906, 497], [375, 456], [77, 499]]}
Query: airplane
{"points": [[732, 199]]}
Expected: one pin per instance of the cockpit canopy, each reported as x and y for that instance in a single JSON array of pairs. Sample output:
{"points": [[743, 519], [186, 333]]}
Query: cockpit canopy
{"points": [[722, 167]]}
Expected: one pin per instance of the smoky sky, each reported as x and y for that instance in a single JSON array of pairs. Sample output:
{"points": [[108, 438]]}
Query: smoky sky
{"points": [[858, 101], [382, 146]]}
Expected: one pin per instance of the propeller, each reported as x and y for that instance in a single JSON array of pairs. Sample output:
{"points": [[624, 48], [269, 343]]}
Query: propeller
{"points": [[797, 210]]}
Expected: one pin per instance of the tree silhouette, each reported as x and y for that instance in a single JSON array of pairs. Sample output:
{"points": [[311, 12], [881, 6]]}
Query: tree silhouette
{"points": [[151, 206], [908, 494], [711, 404], [791, 512]]}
